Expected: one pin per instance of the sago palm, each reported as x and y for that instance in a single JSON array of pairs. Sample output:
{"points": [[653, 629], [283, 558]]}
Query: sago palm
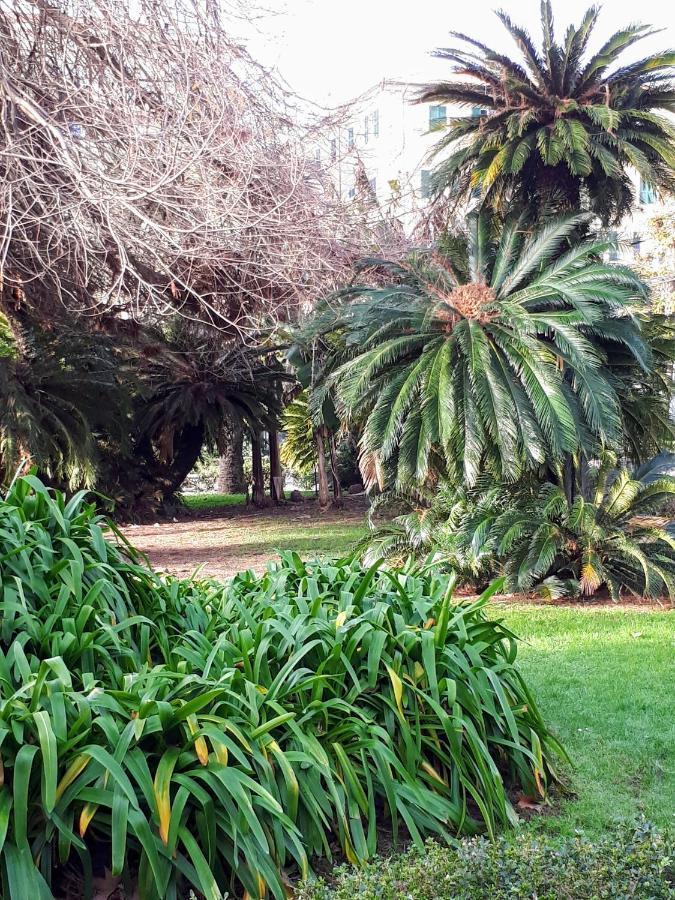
{"points": [[559, 127], [488, 355], [607, 537], [190, 385], [52, 383]]}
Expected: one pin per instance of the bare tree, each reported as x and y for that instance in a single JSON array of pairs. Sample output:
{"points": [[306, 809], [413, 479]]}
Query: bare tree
{"points": [[148, 163]]}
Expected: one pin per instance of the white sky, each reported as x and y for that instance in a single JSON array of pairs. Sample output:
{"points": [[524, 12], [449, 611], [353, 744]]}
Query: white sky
{"points": [[332, 50]]}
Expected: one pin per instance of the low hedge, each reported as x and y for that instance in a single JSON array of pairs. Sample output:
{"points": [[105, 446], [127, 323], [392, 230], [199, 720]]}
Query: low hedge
{"points": [[630, 863]]}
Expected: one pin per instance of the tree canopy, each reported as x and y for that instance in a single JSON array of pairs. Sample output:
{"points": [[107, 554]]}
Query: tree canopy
{"points": [[559, 127]]}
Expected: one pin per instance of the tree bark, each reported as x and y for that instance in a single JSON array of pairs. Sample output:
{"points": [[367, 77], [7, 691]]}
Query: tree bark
{"points": [[231, 462], [337, 487], [257, 470], [187, 447], [319, 437], [276, 474]]}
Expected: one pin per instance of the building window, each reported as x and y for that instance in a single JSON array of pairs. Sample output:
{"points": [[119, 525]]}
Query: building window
{"points": [[477, 112], [333, 149], [614, 250], [351, 193], [372, 182], [637, 243], [425, 183], [376, 123], [438, 116], [366, 128], [317, 154], [350, 138], [647, 192]]}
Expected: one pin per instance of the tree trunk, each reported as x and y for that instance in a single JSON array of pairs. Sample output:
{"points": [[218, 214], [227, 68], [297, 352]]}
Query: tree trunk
{"points": [[257, 470], [231, 463], [187, 447], [319, 437], [276, 474], [337, 488]]}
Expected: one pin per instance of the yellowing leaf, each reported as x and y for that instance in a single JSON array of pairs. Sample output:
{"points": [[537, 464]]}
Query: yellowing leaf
{"points": [[429, 769], [341, 619], [220, 749], [162, 789], [79, 764], [200, 744], [87, 814], [397, 685]]}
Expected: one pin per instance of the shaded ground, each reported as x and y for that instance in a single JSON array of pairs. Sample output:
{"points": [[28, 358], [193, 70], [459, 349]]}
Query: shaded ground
{"points": [[235, 537]]}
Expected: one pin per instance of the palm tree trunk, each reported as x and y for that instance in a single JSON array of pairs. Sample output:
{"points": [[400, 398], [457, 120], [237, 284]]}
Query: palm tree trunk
{"points": [[319, 437], [337, 487], [187, 447], [257, 470], [276, 474], [231, 462]]}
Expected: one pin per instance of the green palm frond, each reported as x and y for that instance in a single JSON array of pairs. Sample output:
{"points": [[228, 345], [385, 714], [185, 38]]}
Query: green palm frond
{"points": [[559, 126], [497, 366]]}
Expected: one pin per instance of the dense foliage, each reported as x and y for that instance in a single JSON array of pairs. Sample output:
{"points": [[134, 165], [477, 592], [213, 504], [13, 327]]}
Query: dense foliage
{"points": [[612, 534], [631, 863], [557, 128], [166, 393], [187, 733], [491, 353], [607, 536]]}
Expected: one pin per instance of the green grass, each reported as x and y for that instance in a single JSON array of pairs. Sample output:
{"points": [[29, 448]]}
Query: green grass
{"points": [[315, 539], [220, 501], [212, 501], [604, 682]]}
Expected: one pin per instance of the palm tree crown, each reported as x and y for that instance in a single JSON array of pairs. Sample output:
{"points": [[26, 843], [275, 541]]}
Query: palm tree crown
{"points": [[561, 129], [490, 353]]}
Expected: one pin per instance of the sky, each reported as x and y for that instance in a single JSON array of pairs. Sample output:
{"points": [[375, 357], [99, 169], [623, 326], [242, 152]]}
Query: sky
{"points": [[330, 51]]}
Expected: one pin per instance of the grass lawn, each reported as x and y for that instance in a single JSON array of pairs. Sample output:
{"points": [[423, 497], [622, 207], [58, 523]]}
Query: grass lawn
{"points": [[227, 538], [604, 679], [215, 502]]}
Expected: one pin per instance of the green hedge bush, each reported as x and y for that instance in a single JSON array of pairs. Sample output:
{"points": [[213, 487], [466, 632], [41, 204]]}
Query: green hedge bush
{"points": [[188, 734], [632, 863]]}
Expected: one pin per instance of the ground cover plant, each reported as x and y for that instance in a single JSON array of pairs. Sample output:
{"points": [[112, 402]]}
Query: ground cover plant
{"points": [[631, 863], [189, 734]]}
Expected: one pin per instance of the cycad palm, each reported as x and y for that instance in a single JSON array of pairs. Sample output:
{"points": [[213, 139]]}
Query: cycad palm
{"points": [[51, 385], [559, 128], [608, 536], [489, 357]]}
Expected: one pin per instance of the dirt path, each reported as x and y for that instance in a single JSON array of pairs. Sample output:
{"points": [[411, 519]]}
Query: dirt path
{"points": [[236, 538]]}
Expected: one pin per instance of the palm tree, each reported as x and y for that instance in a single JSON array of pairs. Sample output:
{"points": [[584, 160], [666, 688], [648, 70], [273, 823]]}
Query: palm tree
{"points": [[52, 381], [190, 386], [559, 128], [608, 536], [488, 354]]}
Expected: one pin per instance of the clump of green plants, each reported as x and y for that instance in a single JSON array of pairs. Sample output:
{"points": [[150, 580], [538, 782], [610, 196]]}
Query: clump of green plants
{"points": [[613, 535], [193, 735], [633, 862]]}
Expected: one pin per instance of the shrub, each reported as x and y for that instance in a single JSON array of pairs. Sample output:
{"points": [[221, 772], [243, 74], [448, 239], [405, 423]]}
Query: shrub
{"points": [[608, 536], [188, 734], [630, 863]]}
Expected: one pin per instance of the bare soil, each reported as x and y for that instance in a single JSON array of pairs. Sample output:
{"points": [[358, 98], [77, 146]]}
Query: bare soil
{"points": [[229, 540]]}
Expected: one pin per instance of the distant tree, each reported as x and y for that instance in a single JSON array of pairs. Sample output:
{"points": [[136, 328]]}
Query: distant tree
{"points": [[557, 129]]}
